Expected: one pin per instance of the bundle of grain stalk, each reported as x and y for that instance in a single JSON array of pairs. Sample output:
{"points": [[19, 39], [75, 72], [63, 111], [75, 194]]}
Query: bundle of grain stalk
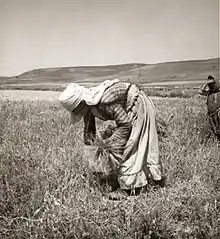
{"points": [[102, 159]]}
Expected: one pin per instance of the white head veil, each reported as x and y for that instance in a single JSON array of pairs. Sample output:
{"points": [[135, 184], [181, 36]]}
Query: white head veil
{"points": [[71, 97]]}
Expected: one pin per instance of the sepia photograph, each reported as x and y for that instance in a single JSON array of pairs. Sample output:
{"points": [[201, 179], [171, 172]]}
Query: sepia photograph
{"points": [[110, 119]]}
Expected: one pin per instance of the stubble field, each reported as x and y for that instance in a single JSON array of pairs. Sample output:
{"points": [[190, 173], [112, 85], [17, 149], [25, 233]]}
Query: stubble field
{"points": [[48, 191]]}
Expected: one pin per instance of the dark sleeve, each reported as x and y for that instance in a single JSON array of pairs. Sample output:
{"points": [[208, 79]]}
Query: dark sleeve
{"points": [[89, 129]]}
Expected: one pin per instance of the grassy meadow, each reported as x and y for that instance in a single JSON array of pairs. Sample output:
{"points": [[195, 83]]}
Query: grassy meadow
{"points": [[48, 190]]}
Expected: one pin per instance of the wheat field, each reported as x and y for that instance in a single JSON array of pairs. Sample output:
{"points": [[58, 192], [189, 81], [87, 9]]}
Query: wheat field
{"points": [[48, 190]]}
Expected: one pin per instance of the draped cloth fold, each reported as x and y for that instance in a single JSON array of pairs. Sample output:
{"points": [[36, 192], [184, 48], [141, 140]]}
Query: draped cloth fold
{"points": [[135, 157], [93, 95], [141, 155]]}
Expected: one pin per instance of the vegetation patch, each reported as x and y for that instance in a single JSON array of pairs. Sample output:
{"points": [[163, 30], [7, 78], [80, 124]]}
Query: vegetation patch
{"points": [[48, 191]]}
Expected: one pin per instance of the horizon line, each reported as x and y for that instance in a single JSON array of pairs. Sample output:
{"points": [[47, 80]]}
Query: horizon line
{"points": [[119, 64]]}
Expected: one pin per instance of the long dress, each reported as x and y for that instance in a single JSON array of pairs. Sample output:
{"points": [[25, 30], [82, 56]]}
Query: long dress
{"points": [[213, 108], [133, 146]]}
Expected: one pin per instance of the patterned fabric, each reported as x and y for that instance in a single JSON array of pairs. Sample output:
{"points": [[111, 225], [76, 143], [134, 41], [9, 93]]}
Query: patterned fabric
{"points": [[116, 93], [93, 95], [133, 150], [113, 104], [111, 107]]}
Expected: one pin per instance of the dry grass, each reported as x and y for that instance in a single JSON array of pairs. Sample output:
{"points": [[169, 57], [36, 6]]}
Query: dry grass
{"points": [[47, 190], [29, 95]]}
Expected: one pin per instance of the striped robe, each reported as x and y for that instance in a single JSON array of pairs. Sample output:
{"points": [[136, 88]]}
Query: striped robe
{"points": [[134, 143]]}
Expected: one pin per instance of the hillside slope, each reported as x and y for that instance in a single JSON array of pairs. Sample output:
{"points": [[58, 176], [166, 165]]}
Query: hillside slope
{"points": [[171, 73]]}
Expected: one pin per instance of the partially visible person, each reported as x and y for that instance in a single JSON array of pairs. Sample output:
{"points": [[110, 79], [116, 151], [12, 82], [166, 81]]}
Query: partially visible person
{"points": [[133, 147], [212, 91]]}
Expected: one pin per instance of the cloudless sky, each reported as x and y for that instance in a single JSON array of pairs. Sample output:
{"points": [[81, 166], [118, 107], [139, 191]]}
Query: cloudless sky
{"points": [[53, 33]]}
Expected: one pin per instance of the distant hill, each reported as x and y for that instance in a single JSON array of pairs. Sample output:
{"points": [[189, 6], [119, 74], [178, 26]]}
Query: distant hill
{"points": [[4, 78], [184, 73]]}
